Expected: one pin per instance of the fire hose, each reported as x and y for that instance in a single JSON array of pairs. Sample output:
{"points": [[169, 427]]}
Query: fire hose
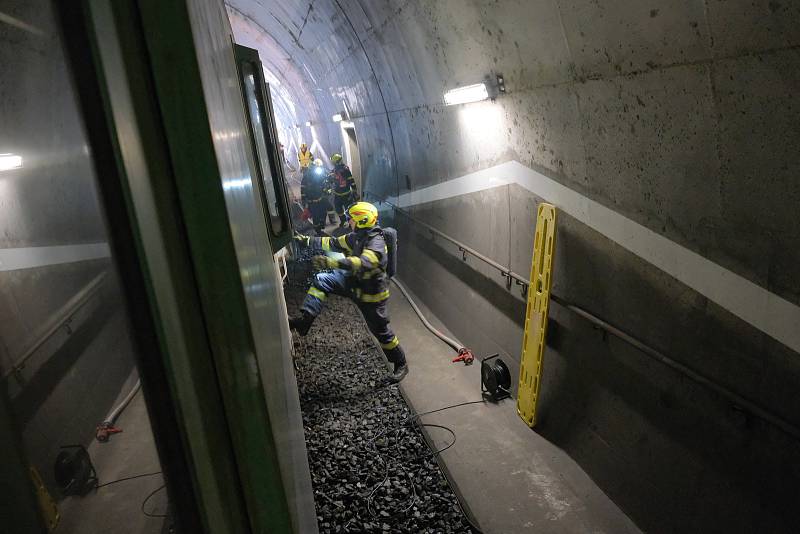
{"points": [[464, 354]]}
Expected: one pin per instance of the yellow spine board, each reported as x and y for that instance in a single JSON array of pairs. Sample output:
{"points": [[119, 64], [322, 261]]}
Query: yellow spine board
{"points": [[47, 505], [530, 370]]}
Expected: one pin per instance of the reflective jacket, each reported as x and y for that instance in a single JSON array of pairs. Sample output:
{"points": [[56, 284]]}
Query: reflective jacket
{"points": [[365, 260], [305, 158], [342, 182]]}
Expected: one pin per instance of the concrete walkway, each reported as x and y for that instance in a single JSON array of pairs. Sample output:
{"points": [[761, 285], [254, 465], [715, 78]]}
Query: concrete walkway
{"points": [[117, 508], [512, 479]]}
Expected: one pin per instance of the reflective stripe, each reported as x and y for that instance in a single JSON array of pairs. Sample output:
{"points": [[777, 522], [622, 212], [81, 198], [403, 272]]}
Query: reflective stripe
{"points": [[390, 345], [314, 292], [342, 194], [342, 239], [383, 295], [371, 256], [326, 243], [371, 273], [355, 261]]}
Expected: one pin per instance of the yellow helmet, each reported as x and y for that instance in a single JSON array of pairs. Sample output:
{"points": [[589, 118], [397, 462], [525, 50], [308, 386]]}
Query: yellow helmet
{"points": [[364, 213], [336, 158], [303, 147]]}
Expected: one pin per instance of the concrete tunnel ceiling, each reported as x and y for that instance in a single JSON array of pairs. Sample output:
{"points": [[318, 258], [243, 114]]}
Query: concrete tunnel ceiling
{"points": [[413, 54], [647, 110]]}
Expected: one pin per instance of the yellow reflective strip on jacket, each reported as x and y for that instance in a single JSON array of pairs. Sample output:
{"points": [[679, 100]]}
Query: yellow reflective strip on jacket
{"points": [[371, 256], [383, 295], [326, 243], [342, 240], [342, 194], [390, 345], [314, 292], [355, 261], [371, 273]]}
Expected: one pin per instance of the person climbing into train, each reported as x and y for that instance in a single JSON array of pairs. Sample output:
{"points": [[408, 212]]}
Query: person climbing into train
{"points": [[313, 194], [305, 157], [361, 276], [343, 186]]}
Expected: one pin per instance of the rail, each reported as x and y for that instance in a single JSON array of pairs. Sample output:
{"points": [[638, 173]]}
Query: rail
{"points": [[739, 401]]}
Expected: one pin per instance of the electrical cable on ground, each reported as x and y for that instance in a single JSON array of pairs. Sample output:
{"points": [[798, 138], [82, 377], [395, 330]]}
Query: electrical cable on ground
{"points": [[144, 502], [434, 453], [127, 478]]}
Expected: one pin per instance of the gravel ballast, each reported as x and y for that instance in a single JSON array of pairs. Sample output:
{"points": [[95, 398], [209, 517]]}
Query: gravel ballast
{"points": [[371, 468]]}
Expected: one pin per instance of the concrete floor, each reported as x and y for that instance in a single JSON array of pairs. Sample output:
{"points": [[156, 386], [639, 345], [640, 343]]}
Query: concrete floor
{"points": [[117, 508], [512, 479]]}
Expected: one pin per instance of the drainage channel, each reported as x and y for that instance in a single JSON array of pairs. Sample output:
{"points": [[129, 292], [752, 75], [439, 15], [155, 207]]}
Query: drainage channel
{"points": [[371, 467]]}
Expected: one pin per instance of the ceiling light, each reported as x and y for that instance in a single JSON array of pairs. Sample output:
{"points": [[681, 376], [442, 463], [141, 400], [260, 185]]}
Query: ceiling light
{"points": [[10, 161], [337, 118], [308, 123], [466, 94]]}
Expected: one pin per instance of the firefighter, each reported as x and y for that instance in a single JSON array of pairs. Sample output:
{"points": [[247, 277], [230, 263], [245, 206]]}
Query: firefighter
{"points": [[361, 276], [313, 190], [305, 157], [343, 187]]}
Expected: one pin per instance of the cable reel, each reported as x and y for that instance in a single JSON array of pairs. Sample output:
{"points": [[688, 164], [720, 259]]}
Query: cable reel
{"points": [[74, 471], [495, 378]]}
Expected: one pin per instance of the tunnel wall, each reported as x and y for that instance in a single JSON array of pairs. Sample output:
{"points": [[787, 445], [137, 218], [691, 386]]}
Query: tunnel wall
{"points": [[677, 119], [679, 116], [53, 250]]}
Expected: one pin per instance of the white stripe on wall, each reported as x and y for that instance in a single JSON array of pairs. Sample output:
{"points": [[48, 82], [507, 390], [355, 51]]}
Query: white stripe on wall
{"points": [[12, 259], [771, 314]]}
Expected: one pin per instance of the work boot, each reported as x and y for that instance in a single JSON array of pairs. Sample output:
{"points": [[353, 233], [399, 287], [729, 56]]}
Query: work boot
{"points": [[397, 357], [302, 323], [399, 373]]}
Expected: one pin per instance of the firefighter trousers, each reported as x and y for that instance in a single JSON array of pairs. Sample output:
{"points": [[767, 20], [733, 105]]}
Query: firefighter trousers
{"points": [[341, 203], [319, 211], [376, 314]]}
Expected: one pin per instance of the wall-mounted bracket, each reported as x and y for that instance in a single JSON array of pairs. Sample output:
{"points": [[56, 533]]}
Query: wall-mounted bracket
{"points": [[523, 287], [509, 279]]}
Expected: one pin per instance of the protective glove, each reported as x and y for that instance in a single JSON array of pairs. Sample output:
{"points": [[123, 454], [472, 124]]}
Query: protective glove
{"points": [[302, 239], [324, 262]]}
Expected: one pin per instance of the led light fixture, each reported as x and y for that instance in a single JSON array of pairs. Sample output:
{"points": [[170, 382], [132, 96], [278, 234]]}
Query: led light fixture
{"points": [[10, 161], [337, 118], [466, 94], [308, 123]]}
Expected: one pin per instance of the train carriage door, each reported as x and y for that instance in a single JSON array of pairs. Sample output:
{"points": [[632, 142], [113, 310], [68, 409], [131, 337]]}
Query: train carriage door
{"points": [[268, 163]]}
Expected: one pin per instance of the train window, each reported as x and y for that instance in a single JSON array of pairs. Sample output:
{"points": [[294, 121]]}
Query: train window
{"points": [[269, 168]]}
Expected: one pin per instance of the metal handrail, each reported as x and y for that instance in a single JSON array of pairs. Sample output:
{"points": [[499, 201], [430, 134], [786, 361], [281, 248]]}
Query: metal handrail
{"points": [[657, 355], [506, 272], [67, 314]]}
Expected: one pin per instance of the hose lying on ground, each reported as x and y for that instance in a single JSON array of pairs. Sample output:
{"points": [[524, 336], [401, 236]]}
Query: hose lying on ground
{"points": [[122, 405], [457, 345]]}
